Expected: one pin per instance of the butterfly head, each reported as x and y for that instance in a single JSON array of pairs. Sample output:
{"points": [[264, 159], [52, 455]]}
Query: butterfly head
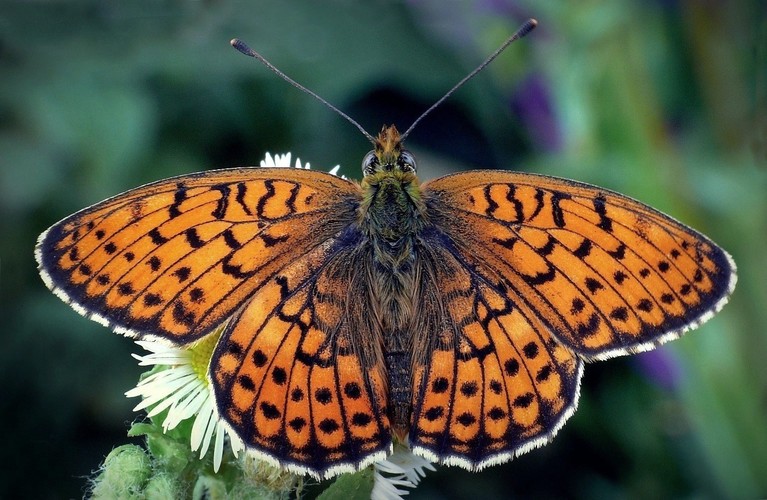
{"points": [[388, 155]]}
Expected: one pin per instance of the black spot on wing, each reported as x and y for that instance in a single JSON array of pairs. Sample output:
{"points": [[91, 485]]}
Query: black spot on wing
{"points": [[593, 285], [530, 350], [178, 198], [440, 385], [538, 204], [181, 315], [230, 240], [291, 201], [548, 247], [518, 207], [261, 205], [645, 305], [589, 328], [154, 263], [259, 358], [584, 249], [577, 306], [156, 237], [619, 253], [182, 273], [492, 206], [506, 243], [152, 299], [193, 238], [556, 210], [601, 209], [223, 203], [270, 241], [234, 270], [240, 198], [270, 410], [541, 278]]}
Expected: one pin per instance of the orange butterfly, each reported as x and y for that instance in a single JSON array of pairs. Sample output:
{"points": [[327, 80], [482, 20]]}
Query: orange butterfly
{"points": [[456, 314]]}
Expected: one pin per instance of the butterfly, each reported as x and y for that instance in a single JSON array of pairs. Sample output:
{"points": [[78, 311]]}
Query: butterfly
{"points": [[455, 315]]}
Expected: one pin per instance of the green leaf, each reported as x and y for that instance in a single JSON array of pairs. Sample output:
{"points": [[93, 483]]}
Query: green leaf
{"points": [[138, 429], [357, 486]]}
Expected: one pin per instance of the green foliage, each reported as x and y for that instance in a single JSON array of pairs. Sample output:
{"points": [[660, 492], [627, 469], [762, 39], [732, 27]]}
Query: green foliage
{"points": [[350, 487], [124, 474], [169, 469]]}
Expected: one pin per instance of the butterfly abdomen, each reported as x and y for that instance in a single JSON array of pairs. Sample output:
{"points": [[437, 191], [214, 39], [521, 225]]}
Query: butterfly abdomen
{"points": [[398, 368]]}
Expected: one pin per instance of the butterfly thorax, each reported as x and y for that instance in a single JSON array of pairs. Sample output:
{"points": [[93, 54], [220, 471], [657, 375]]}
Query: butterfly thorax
{"points": [[391, 214]]}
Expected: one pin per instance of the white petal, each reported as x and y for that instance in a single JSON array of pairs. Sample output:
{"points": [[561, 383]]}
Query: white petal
{"points": [[180, 390], [235, 442], [389, 466], [282, 161], [188, 409], [267, 162], [208, 434], [201, 424], [177, 398], [218, 449], [385, 488], [411, 465], [169, 359], [153, 393]]}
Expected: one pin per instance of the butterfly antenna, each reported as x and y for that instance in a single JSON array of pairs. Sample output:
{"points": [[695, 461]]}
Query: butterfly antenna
{"points": [[526, 28], [242, 47]]}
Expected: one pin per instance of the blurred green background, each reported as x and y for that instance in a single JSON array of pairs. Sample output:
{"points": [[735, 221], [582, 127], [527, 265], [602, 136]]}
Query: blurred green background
{"points": [[665, 101]]}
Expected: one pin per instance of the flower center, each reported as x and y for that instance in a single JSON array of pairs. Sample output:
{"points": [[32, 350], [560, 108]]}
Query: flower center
{"points": [[201, 352]]}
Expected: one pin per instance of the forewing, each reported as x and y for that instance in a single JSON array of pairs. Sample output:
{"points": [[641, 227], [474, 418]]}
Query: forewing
{"points": [[606, 274], [174, 258], [492, 383], [297, 374]]}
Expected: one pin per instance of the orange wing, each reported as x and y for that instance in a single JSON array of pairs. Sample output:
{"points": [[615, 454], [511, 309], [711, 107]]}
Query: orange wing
{"points": [[530, 275], [605, 274], [493, 382], [175, 258], [296, 373]]}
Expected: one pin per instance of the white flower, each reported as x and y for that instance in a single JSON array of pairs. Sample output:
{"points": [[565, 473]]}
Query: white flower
{"points": [[183, 390], [283, 161], [400, 470]]}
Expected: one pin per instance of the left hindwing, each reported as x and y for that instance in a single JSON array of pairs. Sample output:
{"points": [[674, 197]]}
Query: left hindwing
{"points": [[296, 372]]}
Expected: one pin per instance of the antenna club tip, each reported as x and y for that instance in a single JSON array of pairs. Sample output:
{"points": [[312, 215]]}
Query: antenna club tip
{"points": [[241, 47], [526, 28]]}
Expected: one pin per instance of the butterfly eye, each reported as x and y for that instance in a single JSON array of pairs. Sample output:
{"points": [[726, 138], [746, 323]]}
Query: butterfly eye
{"points": [[369, 163], [406, 161]]}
